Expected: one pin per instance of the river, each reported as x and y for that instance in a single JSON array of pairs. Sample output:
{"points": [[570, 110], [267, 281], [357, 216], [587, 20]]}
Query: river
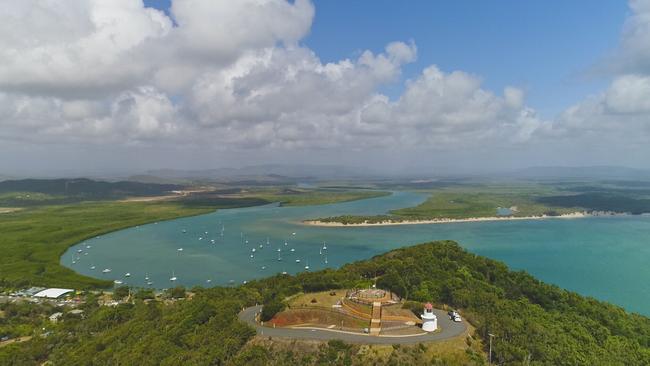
{"points": [[603, 257]]}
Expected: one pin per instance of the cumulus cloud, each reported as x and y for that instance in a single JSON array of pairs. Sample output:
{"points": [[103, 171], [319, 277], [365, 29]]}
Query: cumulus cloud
{"points": [[232, 72], [77, 47], [234, 75]]}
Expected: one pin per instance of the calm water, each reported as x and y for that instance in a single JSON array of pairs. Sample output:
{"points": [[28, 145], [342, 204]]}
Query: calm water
{"points": [[603, 257]]}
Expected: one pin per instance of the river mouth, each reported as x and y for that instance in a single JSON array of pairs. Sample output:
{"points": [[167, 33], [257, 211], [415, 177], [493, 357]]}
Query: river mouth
{"points": [[595, 256]]}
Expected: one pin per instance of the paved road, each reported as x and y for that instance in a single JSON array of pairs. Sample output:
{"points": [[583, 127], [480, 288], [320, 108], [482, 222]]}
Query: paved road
{"points": [[450, 329]]}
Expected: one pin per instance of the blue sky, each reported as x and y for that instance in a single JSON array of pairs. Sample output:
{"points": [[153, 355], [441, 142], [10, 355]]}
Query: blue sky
{"points": [[551, 49]]}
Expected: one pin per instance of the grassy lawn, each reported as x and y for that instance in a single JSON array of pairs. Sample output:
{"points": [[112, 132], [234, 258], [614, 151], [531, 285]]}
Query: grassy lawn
{"points": [[323, 299]]}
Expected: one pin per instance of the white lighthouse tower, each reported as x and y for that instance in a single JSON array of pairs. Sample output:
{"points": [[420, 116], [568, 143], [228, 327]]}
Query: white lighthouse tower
{"points": [[429, 319]]}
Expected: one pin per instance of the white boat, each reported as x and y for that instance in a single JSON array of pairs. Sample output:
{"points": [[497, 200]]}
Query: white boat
{"points": [[92, 267], [149, 283], [261, 246], [212, 241], [184, 231], [307, 267], [293, 233], [88, 246], [106, 270], [253, 250], [85, 253], [263, 267], [293, 249], [284, 272], [252, 256], [297, 260], [279, 250], [117, 282], [325, 259], [285, 243], [201, 238], [180, 249], [146, 277], [279, 258], [127, 274], [173, 277], [79, 250], [208, 280]]}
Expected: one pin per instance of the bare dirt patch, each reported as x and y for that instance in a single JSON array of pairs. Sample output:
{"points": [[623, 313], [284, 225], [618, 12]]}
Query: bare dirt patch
{"points": [[317, 318]]}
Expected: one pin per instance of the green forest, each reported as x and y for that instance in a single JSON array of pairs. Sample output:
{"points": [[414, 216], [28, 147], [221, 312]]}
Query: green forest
{"points": [[534, 323]]}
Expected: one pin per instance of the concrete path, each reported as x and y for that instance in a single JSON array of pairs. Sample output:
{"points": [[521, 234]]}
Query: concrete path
{"points": [[375, 320], [449, 329]]}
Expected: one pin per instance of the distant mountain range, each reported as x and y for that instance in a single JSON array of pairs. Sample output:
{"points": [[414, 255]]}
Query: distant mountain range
{"points": [[282, 174], [270, 172], [588, 172]]}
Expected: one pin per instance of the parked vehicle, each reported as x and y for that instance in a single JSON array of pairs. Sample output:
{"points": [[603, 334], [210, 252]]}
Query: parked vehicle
{"points": [[453, 315]]}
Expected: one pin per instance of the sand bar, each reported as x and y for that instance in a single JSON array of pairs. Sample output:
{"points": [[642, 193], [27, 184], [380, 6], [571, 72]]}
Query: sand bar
{"points": [[573, 215]]}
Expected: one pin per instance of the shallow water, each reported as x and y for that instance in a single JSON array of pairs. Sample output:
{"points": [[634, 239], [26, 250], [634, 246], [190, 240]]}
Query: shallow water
{"points": [[603, 257]]}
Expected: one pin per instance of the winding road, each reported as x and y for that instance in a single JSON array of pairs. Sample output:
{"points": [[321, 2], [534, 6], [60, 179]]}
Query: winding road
{"points": [[449, 329]]}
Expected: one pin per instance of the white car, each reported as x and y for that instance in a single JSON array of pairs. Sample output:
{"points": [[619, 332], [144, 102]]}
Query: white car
{"points": [[457, 318]]}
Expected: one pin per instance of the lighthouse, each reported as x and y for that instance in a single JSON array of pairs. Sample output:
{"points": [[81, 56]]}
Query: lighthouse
{"points": [[429, 319]]}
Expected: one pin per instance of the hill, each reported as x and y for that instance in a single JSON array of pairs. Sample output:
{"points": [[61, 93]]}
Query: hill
{"points": [[533, 322]]}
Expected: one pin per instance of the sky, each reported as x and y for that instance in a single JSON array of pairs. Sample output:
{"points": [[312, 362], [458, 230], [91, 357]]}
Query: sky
{"points": [[420, 86]]}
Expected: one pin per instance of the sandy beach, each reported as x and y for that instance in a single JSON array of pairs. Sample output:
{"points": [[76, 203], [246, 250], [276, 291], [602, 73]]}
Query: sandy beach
{"points": [[573, 215]]}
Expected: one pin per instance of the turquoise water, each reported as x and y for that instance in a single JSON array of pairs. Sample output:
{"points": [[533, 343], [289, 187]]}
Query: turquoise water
{"points": [[504, 211], [603, 257]]}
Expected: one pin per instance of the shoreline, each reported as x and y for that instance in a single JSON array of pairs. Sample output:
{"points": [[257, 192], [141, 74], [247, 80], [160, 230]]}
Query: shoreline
{"points": [[573, 215]]}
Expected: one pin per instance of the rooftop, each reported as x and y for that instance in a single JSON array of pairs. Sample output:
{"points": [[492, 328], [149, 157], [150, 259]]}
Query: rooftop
{"points": [[53, 293]]}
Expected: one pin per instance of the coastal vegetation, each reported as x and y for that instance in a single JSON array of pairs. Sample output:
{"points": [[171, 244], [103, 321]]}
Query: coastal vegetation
{"points": [[522, 200], [303, 197], [467, 202], [532, 322]]}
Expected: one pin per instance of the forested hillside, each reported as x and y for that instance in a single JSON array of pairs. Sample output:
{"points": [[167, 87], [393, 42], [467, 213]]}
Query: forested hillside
{"points": [[533, 323]]}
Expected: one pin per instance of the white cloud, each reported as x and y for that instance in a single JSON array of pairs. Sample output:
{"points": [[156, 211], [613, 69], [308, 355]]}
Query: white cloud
{"points": [[629, 94], [75, 47], [234, 75]]}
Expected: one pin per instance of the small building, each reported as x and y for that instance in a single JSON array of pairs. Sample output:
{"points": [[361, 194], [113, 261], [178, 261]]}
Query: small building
{"points": [[55, 317], [429, 319], [53, 293], [29, 292]]}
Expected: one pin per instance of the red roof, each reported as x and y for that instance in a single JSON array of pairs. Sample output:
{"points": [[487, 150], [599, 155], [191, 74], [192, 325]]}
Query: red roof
{"points": [[428, 306]]}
